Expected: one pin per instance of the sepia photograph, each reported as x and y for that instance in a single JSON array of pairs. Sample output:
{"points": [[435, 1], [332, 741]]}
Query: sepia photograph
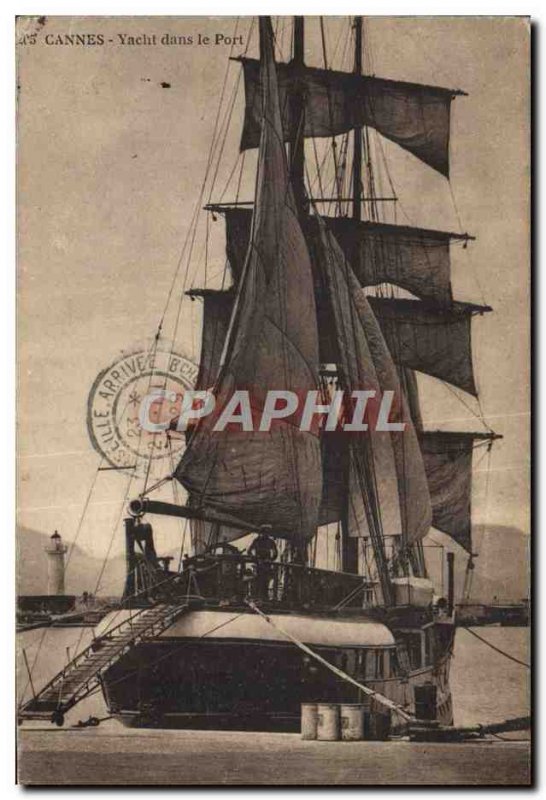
{"points": [[273, 401]]}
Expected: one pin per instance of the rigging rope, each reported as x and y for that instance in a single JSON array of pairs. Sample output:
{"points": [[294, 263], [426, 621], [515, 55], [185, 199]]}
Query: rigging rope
{"points": [[330, 151], [34, 662], [107, 556], [82, 516], [497, 649], [151, 351], [455, 207], [479, 416], [218, 141], [183, 526], [213, 146], [334, 144]]}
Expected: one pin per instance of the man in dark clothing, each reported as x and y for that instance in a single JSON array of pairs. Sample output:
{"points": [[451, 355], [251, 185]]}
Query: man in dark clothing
{"points": [[264, 550]]}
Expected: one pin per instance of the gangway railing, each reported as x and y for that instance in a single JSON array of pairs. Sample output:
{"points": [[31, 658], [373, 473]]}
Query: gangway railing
{"points": [[83, 674]]}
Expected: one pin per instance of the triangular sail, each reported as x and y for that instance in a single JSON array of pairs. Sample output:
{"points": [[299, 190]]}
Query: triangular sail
{"points": [[269, 478], [391, 460], [414, 116], [410, 388]]}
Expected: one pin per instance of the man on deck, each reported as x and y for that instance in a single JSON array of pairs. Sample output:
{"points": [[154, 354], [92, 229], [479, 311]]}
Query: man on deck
{"points": [[264, 550]]}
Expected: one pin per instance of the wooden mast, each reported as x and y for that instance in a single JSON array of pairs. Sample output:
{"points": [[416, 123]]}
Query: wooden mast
{"points": [[357, 133], [296, 158], [297, 110], [349, 544]]}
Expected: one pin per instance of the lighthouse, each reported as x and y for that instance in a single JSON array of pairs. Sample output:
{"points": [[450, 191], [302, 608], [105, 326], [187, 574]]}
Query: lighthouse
{"points": [[55, 550]]}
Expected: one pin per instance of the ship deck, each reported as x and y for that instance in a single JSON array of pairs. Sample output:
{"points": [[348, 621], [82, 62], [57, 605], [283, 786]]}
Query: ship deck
{"points": [[111, 755]]}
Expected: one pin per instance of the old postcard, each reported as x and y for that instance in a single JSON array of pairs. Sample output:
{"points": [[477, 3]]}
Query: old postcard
{"points": [[273, 400]]}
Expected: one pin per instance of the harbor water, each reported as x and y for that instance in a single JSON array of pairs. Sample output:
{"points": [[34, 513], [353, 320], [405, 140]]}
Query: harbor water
{"points": [[486, 688]]}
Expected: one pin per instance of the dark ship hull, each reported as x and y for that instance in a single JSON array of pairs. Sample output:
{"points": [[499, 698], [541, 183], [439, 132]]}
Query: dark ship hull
{"points": [[226, 668]]}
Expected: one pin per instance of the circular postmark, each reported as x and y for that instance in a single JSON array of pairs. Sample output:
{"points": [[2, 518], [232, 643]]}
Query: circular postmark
{"points": [[131, 405]]}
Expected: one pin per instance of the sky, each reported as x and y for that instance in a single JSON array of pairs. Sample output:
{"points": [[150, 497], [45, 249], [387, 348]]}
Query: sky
{"points": [[110, 168]]}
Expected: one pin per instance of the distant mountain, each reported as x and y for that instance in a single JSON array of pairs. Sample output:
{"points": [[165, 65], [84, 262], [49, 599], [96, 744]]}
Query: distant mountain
{"points": [[82, 572], [501, 570]]}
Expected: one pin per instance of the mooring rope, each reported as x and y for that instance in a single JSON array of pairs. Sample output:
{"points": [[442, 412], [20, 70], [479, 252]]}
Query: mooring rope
{"points": [[380, 698], [497, 649]]}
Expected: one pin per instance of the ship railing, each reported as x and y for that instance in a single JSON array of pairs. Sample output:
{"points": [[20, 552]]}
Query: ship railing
{"points": [[234, 578]]}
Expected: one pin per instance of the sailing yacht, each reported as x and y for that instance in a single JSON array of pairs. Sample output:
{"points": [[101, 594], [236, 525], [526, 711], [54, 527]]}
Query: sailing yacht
{"points": [[249, 628]]}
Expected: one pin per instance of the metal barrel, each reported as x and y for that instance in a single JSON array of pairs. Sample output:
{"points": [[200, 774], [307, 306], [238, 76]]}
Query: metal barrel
{"points": [[352, 722], [425, 701], [328, 722], [308, 720], [380, 725]]}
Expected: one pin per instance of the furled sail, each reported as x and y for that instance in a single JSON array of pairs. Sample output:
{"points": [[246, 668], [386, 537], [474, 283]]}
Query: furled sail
{"points": [[415, 116], [432, 340], [269, 478], [386, 477], [416, 259], [448, 464]]}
